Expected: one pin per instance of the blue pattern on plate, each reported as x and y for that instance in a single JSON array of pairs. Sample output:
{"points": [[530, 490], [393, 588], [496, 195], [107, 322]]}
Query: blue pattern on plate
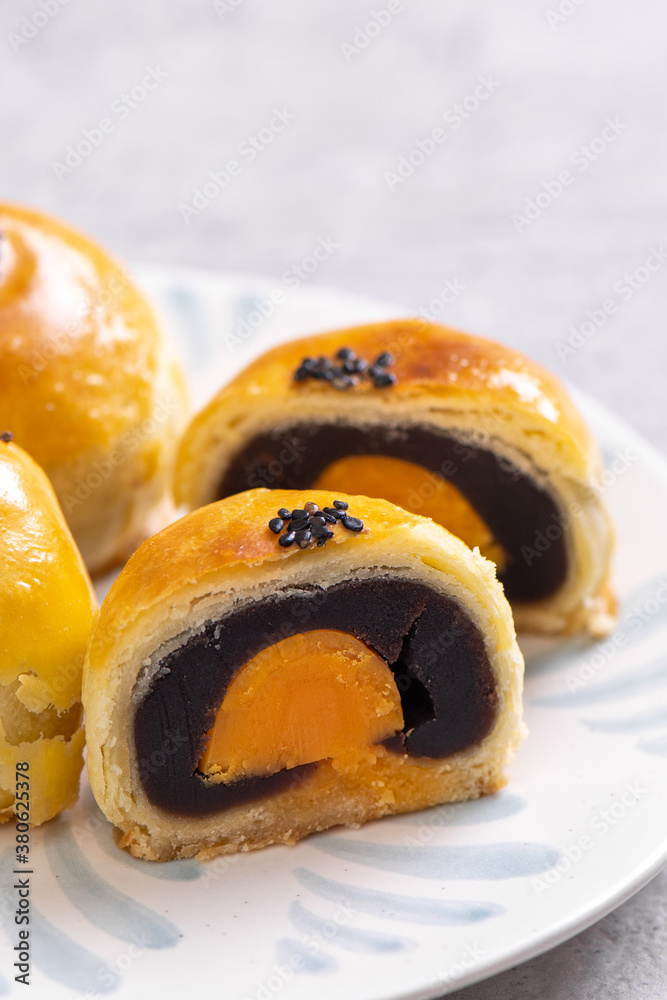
{"points": [[105, 907], [341, 935], [630, 723], [287, 950], [562, 655], [173, 871], [190, 327], [53, 952], [483, 810], [476, 861], [393, 906], [644, 678], [656, 746]]}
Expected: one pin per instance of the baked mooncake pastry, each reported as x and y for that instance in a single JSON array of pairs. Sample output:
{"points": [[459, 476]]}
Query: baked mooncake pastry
{"points": [[280, 662], [87, 382], [447, 425], [46, 616]]}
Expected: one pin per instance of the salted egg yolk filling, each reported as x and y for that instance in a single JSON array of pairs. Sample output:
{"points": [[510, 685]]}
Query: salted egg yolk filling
{"points": [[317, 695], [413, 488]]}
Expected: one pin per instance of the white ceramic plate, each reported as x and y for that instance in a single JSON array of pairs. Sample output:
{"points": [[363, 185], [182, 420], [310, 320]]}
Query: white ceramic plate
{"points": [[408, 907]]}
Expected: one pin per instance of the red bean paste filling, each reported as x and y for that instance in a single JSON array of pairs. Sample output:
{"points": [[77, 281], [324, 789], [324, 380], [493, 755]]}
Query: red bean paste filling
{"points": [[522, 516], [435, 651]]}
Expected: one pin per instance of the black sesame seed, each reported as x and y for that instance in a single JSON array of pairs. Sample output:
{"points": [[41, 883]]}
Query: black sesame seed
{"points": [[299, 525], [373, 371], [299, 512], [329, 518], [284, 513], [341, 504], [276, 524], [384, 360], [345, 354], [384, 380], [304, 538], [360, 366], [302, 373], [320, 530], [336, 514], [352, 523], [6, 436], [287, 538], [321, 542]]}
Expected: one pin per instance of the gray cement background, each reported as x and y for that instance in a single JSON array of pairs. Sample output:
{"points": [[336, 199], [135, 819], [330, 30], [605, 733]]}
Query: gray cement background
{"points": [[557, 73]]}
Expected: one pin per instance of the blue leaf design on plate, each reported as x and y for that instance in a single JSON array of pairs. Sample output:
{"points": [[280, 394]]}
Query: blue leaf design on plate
{"points": [[631, 625], [296, 956], [483, 810], [55, 953], [341, 935], [645, 678], [105, 907], [656, 746], [173, 871], [629, 723], [479, 861], [392, 906], [186, 306]]}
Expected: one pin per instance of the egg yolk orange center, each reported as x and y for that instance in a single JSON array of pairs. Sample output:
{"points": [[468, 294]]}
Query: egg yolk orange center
{"points": [[414, 488], [317, 695]]}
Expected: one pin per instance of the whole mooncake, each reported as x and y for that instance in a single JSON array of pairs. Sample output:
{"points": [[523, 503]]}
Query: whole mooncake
{"points": [[280, 662], [46, 616], [447, 425], [88, 383]]}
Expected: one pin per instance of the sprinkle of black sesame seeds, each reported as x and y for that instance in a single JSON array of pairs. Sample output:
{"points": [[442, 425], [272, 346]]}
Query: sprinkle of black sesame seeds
{"points": [[384, 380], [349, 373], [310, 524], [6, 436]]}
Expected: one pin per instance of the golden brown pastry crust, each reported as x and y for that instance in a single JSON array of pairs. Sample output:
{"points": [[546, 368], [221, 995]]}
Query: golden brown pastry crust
{"points": [[201, 567], [473, 388], [46, 616], [87, 383]]}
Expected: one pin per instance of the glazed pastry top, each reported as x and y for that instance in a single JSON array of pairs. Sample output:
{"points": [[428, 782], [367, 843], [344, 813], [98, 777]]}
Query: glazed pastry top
{"points": [[78, 342], [434, 367], [234, 532], [46, 598]]}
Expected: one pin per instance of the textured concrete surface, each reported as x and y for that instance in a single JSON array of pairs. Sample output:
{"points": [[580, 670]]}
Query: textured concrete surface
{"points": [[528, 215]]}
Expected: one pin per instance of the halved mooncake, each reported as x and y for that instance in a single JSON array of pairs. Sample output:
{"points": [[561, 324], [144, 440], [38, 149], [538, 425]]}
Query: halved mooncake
{"points": [[450, 426], [280, 662], [46, 617]]}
